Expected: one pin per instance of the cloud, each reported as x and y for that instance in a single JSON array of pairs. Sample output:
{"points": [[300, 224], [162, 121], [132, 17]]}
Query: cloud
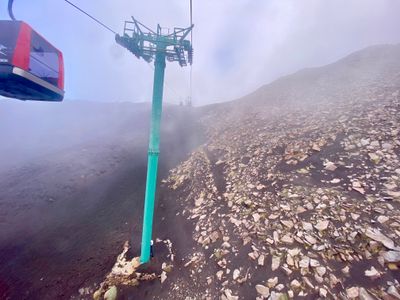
{"points": [[239, 45]]}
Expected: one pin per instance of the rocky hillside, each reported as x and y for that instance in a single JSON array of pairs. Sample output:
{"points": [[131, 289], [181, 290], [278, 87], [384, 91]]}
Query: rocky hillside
{"points": [[295, 194]]}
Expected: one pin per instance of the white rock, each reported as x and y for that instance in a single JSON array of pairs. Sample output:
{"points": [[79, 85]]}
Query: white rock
{"points": [[198, 202], [294, 252], [295, 284], [375, 144], [287, 223], [310, 239], [276, 261], [314, 263], [321, 271], [393, 291], [382, 219], [352, 292], [275, 296], [261, 259], [111, 293], [378, 236], [330, 166], [323, 292], [236, 274], [363, 294], [287, 239], [307, 226], [290, 260], [262, 290], [364, 142], [304, 262], [374, 157], [392, 256], [387, 146], [256, 217], [279, 287], [272, 282], [163, 276], [322, 225], [372, 272], [219, 274], [229, 296], [275, 235]]}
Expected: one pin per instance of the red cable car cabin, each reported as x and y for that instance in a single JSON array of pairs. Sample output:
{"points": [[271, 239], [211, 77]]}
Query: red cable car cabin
{"points": [[30, 67]]}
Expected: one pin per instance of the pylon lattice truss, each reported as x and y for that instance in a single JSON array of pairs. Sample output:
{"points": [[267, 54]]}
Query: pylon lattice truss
{"points": [[144, 43]]}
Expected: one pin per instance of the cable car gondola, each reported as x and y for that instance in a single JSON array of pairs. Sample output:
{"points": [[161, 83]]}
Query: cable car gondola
{"points": [[30, 67]]}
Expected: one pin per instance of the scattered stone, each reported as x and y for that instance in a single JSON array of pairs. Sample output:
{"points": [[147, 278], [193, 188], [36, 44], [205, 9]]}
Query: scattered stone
{"points": [[111, 293], [307, 226], [392, 256], [199, 202], [323, 292], [322, 225], [287, 239], [279, 287], [219, 274], [304, 262], [321, 271], [295, 284], [352, 292], [276, 261], [261, 259], [272, 282], [376, 235], [287, 223], [382, 219], [256, 217], [229, 296], [163, 276], [310, 239], [294, 252], [374, 158], [364, 295], [346, 270], [314, 263], [372, 272], [236, 274], [330, 166], [393, 292], [262, 290]]}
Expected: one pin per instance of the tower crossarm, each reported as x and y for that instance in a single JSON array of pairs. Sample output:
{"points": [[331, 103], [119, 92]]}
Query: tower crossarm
{"points": [[145, 43]]}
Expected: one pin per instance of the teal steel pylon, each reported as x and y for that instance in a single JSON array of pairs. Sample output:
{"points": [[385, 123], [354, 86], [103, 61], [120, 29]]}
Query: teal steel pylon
{"points": [[147, 44]]}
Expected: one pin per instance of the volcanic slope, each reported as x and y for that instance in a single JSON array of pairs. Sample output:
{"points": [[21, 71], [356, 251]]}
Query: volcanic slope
{"points": [[295, 194]]}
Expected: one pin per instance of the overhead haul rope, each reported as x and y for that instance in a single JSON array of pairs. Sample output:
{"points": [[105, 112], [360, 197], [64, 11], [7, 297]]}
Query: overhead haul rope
{"points": [[10, 12], [109, 29], [93, 18]]}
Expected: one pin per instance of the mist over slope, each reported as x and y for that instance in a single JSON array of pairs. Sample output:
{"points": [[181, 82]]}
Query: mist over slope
{"points": [[354, 76], [72, 188], [296, 192]]}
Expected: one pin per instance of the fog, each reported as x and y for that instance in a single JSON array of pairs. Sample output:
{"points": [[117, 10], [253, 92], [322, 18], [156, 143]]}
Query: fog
{"points": [[72, 174]]}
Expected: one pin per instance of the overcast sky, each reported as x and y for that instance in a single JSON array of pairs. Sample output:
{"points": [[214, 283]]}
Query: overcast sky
{"points": [[239, 44]]}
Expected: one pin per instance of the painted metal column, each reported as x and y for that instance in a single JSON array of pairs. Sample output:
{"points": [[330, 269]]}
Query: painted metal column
{"points": [[152, 163]]}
